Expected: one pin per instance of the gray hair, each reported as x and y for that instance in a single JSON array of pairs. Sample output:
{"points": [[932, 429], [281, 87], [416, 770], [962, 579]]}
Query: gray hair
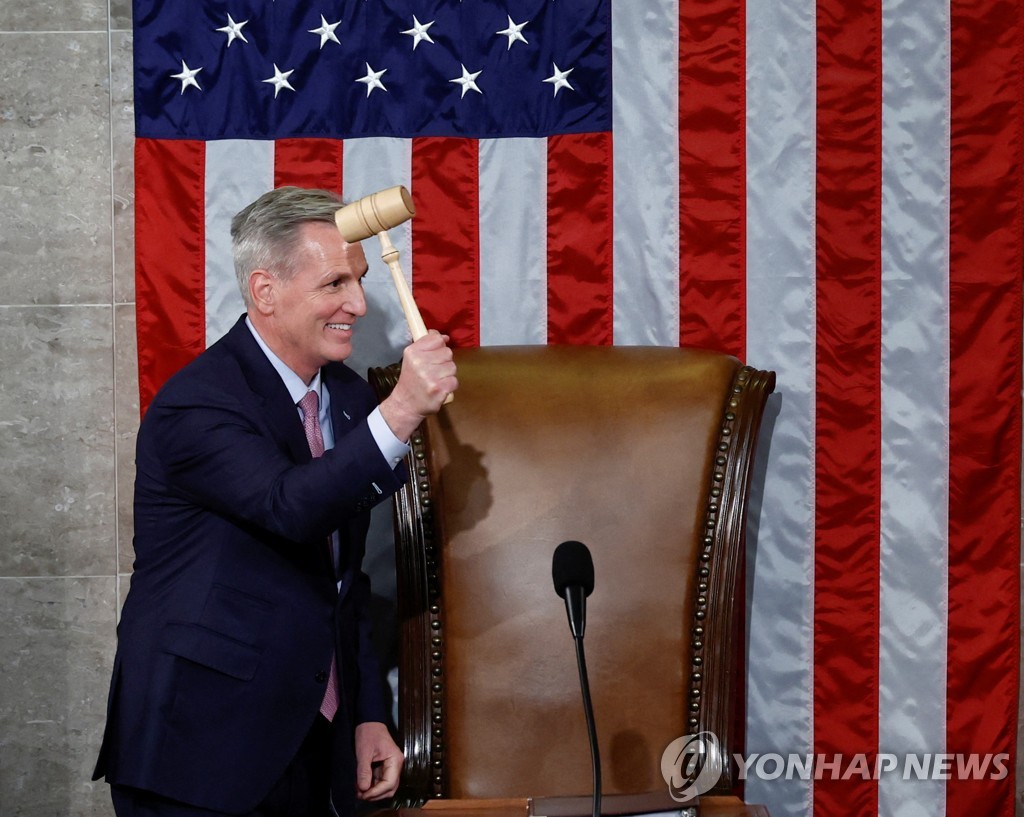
{"points": [[265, 234]]}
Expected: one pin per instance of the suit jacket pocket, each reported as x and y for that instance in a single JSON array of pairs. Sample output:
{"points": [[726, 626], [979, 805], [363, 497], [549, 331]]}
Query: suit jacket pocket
{"points": [[237, 612], [209, 648]]}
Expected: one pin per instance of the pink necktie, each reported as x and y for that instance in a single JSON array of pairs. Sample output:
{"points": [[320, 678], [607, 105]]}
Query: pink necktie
{"points": [[310, 405]]}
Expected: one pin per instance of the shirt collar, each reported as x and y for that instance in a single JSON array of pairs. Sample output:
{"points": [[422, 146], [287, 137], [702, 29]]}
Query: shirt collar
{"points": [[296, 387]]}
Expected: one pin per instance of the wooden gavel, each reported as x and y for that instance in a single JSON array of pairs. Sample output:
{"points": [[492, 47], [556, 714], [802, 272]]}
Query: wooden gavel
{"points": [[375, 215]]}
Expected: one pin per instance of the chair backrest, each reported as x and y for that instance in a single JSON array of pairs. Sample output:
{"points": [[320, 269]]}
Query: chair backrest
{"points": [[643, 454]]}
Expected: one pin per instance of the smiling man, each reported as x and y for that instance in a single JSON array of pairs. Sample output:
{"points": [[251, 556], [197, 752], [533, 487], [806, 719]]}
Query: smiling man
{"points": [[245, 681]]}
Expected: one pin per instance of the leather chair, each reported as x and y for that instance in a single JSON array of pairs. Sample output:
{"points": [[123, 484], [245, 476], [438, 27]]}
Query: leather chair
{"points": [[643, 454]]}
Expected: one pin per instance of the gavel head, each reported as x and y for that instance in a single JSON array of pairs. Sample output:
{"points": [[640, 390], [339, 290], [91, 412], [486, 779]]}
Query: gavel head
{"points": [[372, 214]]}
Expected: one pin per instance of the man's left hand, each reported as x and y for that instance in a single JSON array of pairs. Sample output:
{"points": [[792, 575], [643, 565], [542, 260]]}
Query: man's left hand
{"points": [[378, 762]]}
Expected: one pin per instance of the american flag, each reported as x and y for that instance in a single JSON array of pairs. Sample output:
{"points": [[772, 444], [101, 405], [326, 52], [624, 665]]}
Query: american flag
{"points": [[826, 188]]}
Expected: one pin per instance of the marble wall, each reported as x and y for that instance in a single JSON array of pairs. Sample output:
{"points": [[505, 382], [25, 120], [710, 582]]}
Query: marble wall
{"points": [[69, 406], [68, 395]]}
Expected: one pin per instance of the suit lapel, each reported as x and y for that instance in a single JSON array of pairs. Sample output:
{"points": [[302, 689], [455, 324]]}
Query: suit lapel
{"points": [[266, 384], [342, 416]]}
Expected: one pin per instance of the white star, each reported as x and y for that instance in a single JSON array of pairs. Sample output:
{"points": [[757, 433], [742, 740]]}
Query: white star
{"points": [[187, 76], [418, 32], [559, 79], [467, 81], [372, 79], [513, 32], [234, 31], [280, 80], [326, 31]]}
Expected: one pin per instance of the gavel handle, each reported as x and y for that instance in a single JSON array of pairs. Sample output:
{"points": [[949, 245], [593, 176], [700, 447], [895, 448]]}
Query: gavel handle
{"points": [[389, 254]]}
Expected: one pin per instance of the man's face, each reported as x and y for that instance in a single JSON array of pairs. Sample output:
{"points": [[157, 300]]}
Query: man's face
{"points": [[315, 310]]}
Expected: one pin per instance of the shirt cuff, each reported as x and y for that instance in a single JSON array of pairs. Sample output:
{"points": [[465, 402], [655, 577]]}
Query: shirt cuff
{"points": [[393, 449]]}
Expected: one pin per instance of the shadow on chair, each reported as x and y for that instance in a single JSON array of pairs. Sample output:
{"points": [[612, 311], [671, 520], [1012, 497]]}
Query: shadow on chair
{"points": [[645, 455]]}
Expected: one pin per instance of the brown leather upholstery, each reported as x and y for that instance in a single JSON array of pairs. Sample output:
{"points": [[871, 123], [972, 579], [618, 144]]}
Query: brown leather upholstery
{"points": [[644, 455]]}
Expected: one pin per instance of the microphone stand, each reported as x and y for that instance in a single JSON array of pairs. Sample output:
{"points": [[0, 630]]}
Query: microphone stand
{"points": [[588, 706]]}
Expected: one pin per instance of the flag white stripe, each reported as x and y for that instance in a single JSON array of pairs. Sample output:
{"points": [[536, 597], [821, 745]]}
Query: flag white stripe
{"points": [[237, 171], [646, 172], [513, 241], [781, 336], [369, 165], [915, 405]]}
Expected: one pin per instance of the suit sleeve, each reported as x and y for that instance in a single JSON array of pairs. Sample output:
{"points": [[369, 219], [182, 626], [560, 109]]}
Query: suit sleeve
{"points": [[222, 455]]}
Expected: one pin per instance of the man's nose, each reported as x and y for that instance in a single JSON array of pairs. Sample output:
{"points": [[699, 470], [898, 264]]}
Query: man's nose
{"points": [[356, 304]]}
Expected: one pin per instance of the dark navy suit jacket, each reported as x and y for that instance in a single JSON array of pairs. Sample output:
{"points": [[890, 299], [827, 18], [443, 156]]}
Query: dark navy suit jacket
{"points": [[227, 633]]}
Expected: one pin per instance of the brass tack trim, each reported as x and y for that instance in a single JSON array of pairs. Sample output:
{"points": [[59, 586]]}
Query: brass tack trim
{"points": [[711, 522], [424, 500]]}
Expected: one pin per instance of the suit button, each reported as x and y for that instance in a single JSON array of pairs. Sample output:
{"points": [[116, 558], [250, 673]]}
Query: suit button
{"points": [[321, 677]]}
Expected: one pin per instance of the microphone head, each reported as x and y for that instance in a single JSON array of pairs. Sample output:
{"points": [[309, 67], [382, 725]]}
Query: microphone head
{"points": [[572, 566]]}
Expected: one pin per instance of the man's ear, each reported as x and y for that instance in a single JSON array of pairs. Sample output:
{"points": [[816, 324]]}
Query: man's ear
{"points": [[262, 291]]}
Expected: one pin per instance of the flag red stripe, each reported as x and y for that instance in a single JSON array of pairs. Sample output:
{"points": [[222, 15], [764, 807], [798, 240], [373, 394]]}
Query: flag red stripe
{"points": [[170, 272], [579, 239], [848, 396], [712, 209], [712, 175], [985, 382], [308, 163], [445, 236]]}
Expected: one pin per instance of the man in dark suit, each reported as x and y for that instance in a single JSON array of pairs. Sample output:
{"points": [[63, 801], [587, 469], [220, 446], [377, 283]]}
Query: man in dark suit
{"points": [[245, 680]]}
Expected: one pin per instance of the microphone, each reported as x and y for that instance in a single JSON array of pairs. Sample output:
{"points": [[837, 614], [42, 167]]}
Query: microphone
{"points": [[572, 570]]}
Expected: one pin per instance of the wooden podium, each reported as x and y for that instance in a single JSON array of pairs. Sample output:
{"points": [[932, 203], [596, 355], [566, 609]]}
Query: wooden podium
{"points": [[721, 806]]}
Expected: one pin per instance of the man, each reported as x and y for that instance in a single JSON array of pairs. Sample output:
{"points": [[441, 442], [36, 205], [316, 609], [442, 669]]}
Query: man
{"points": [[245, 681]]}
